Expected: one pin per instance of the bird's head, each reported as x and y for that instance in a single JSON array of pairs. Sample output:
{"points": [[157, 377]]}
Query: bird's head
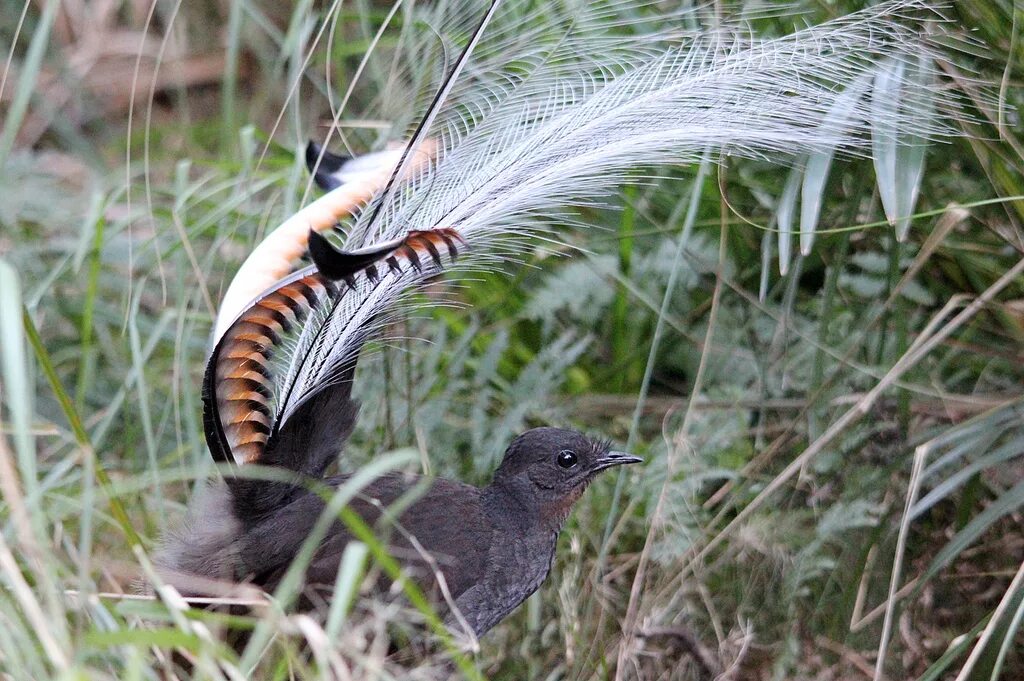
{"points": [[554, 466]]}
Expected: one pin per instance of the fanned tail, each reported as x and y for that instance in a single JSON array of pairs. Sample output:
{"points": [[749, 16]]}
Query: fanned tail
{"points": [[577, 117], [486, 169]]}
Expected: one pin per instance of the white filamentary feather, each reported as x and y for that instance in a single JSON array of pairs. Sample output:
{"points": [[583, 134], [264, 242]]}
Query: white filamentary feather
{"points": [[577, 117]]}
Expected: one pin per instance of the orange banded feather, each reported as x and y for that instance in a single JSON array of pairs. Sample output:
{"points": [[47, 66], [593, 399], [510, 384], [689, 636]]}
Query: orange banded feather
{"points": [[276, 256], [239, 414], [339, 265]]}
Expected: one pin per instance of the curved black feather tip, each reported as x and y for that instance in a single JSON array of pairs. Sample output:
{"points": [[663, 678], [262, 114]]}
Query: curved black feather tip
{"points": [[337, 265], [324, 166], [343, 265]]}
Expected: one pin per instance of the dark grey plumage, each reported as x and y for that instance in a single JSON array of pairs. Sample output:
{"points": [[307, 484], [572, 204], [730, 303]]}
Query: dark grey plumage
{"points": [[493, 545]]}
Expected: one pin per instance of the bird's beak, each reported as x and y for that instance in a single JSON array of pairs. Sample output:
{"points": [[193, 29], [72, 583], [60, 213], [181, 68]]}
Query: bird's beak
{"points": [[615, 459]]}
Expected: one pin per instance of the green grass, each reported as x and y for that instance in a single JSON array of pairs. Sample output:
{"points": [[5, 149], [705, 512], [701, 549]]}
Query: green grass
{"points": [[834, 455]]}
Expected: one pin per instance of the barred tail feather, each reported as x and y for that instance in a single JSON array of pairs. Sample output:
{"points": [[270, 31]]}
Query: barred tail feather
{"points": [[243, 385], [276, 256]]}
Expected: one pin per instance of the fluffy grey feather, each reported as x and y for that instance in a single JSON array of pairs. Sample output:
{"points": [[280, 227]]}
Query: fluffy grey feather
{"points": [[205, 545]]}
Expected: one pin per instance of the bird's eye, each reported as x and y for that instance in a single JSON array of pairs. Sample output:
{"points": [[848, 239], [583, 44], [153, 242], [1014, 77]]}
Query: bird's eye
{"points": [[566, 458]]}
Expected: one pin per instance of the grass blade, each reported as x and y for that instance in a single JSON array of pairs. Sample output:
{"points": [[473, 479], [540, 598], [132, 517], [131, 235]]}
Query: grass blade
{"points": [[346, 586], [77, 428], [818, 165], [911, 153], [784, 213], [884, 107], [27, 80], [15, 385]]}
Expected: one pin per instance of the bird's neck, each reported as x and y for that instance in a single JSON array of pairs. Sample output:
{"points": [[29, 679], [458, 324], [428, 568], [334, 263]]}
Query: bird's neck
{"points": [[514, 507], [522, 550]]}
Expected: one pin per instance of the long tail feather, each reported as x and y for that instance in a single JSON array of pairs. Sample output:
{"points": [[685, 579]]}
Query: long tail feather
{"points": [[241, 406], [238, 387], [325, 167], [330, 171], [572, 121], [343, 265], [277, 255]]}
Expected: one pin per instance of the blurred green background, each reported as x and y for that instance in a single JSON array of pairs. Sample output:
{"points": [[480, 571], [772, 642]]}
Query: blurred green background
{"points": [[835, 456]]}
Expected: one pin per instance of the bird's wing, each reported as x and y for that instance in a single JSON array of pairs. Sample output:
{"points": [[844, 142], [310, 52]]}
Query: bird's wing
{"points": [[443, 535], [450, 524]]}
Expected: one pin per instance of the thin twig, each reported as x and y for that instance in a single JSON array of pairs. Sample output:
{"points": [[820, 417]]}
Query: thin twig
{"points": [[709, 667], [993, 623], [920, 456]]}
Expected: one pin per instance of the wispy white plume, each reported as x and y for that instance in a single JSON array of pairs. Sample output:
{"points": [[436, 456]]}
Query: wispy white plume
{"points": [[573, 115]]}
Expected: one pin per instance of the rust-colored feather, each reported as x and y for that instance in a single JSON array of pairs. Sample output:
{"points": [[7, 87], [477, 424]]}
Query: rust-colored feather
{"points": [[239, 382], [241, 417]]}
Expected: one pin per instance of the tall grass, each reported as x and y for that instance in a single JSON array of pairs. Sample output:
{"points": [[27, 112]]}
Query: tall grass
{"points": [[833, 436]]}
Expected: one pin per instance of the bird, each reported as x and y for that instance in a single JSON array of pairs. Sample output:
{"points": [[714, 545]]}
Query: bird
{"points": [[486, 548], [499, 148], [492, 546]]}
